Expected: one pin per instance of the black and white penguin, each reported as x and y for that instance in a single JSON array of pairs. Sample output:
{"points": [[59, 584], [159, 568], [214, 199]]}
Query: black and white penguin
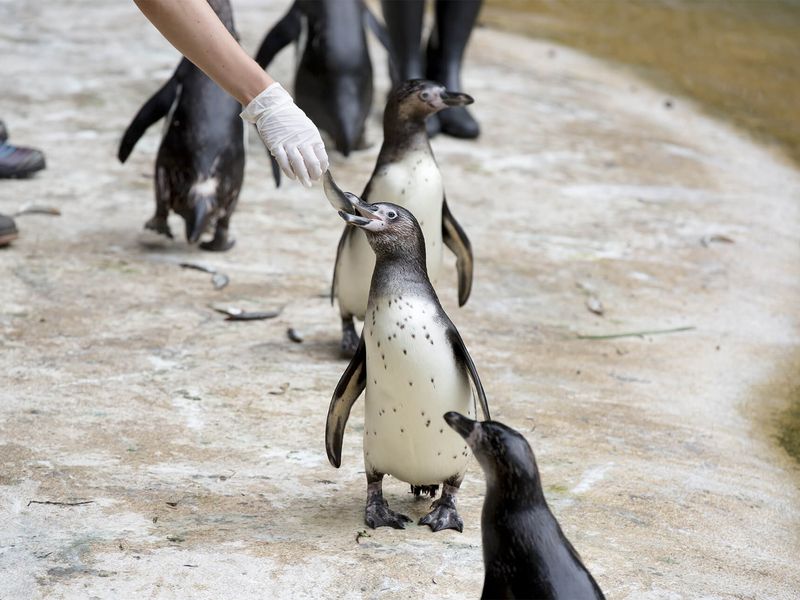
{"points": [[333, 81], [414, 366], [405, 174], [525, 552], [200, 163]]}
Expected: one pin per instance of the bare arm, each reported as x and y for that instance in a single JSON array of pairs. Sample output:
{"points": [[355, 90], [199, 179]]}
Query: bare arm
{"points": [[196, 31]]}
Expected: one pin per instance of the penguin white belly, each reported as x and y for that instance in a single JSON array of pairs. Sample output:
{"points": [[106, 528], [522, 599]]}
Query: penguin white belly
{"points": [[414, 183], [413, 379]]}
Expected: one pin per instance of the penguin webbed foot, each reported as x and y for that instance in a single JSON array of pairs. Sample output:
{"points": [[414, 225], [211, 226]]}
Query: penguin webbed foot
{"points": [[378, 514], [222, 242], [159, 225], [350, 338], [443, 516]]}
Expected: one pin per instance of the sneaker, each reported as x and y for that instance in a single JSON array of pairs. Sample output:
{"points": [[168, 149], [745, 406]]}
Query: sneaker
{"points": [[8, 230], [16, 161]]}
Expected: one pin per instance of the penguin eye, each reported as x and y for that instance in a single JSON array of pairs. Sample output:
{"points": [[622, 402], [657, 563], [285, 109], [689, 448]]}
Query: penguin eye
{"points": [[425, 95], [391, 214]]}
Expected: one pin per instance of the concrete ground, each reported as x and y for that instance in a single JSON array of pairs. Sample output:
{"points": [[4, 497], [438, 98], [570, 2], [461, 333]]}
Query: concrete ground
{"points": [[196, 444]]}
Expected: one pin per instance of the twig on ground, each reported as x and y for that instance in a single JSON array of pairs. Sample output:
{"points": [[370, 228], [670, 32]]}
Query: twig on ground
{"points": [[612, 336], [54, 503]]}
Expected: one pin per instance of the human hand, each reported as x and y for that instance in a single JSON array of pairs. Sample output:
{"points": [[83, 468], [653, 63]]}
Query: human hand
{"points": [[288, 133]]}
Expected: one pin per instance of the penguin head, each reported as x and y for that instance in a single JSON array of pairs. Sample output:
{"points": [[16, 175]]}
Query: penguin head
{"points": [[420, 98], [391, 229], [504, 455]]}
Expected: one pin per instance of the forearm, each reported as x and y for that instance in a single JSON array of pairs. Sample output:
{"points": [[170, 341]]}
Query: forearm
{"points": [[196, 31]]}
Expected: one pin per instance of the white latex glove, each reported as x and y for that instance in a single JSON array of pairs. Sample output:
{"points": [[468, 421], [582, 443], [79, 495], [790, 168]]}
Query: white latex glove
{"points": [[288, 133]]}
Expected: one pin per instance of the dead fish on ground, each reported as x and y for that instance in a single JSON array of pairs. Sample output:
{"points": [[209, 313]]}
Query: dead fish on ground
{"points": [[219, 280], [38, 209], [706, 240], [237, 314]]}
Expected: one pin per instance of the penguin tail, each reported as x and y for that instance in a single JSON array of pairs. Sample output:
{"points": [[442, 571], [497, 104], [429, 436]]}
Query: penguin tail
{"points": [[203, 200], [283, 33]]}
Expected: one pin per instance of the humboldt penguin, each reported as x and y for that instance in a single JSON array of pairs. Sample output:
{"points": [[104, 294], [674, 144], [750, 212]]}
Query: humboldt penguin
{"points": [[525, 553], [406, 174], [414, 366], [200, 163], [333, 81]]}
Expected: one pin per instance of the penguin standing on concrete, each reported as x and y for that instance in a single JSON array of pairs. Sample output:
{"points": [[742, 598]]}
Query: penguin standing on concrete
{"points": [[414, 366], [333, 80], [200, 163], [406, 174], [525, 552]]}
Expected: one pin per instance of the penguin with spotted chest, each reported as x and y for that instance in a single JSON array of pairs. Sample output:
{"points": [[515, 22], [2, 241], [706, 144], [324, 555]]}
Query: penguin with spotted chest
{"points": [[406, 174], [414, 367]]}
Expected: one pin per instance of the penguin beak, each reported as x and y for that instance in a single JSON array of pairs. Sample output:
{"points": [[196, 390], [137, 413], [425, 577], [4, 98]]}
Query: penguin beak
{"points": [[366, 217], [462, 425], [456, 99], [341, 201]]}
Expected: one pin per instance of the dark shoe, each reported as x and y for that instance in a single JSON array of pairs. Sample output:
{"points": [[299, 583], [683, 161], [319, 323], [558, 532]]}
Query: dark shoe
{"points": [[3, 132], [457, 122], [433, 125], [16, 161], [8, 230]]}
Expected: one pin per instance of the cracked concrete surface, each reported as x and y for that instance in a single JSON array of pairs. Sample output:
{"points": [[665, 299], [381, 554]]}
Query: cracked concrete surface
{"points": [[200, 441]]}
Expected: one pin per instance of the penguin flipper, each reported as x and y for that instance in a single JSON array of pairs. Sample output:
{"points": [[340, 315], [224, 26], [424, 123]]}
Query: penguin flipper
{"points": [[284, 32], [349, 388], [454, 238], [342, 241], [463, 358], [154, 109]]}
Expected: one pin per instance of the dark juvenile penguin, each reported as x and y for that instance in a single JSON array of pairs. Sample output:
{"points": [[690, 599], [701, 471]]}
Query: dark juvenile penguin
{"points": [[525, 552], [406, 174], [200, 163], [333, 81], [414, 366]]}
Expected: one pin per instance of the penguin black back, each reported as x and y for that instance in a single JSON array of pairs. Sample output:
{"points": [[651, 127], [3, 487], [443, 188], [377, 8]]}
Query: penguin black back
{"points": [[200, 162], [333, 81], [525, 553]]}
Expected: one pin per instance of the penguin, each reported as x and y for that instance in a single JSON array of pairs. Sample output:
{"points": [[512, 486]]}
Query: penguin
{"points": [[333, 81], [200, 162], [406, 174], [413, 365], [525, 553]]}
